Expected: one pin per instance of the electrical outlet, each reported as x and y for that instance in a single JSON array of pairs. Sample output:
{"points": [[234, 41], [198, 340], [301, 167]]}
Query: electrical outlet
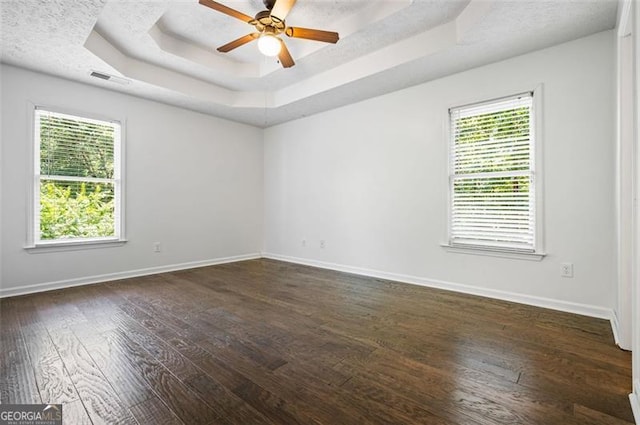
{"points": [[156, 247], [322, 244], [566, 270]]}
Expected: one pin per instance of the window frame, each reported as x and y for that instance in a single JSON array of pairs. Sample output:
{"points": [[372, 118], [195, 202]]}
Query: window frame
{"points": [[538, 252], [34, 243]]}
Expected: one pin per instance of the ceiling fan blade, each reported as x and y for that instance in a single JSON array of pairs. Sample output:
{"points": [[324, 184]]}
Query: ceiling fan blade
{"points": [[281, 8], [285, 57], [226, 10], [238, 42], [311, 34]]}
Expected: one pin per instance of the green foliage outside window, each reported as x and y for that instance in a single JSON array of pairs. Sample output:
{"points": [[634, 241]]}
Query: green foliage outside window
{"points": [[492, 200], [501, 127], [75, 149], [75, 211]]}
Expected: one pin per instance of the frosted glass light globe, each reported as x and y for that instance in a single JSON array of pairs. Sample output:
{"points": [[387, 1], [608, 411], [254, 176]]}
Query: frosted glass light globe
{"points": [[269, 45]]}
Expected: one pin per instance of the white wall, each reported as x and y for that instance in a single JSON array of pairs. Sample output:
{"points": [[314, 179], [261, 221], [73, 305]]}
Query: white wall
{"points": [[371, 180], [635, 396], [193, 183], [625, 170]]}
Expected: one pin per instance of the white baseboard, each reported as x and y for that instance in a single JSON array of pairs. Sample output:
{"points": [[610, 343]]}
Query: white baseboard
{"points": [[587, 310], [635, 406], [623, 343], [48, 286], [614, 327], [566, 306]]}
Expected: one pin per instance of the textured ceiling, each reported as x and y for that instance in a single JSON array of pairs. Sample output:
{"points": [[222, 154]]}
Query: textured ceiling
{"points": [[166, 49]]}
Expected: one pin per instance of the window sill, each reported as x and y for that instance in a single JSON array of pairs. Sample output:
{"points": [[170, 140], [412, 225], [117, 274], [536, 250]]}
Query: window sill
{"points": [[73, 245], [492, 252]]}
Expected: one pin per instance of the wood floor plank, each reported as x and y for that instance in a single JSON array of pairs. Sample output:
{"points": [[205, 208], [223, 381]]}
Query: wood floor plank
{"points": [[98, 397], [17, 377], [412, 411], [271, 406], [602, 401], [154, 411], [119, 370], [74, 413], [228, 406], [472, 395], [267, 342], [185, 403], [588, 416], [275, 408], [51, 376]]}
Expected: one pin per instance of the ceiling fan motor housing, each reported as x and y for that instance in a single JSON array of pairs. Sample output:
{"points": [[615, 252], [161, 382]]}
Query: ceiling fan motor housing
{"points": [[264, 20]]}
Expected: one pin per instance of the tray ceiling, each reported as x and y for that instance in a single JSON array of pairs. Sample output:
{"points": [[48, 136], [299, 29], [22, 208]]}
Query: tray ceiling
{"points": [[166, 49]]}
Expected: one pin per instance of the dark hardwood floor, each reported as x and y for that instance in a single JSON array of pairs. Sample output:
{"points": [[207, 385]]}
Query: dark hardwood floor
{"points": [[266, 342]]}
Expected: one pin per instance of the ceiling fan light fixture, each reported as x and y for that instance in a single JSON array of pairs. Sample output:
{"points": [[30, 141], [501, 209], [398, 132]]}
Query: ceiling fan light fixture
{"points": [[269, 45], [268, 25]]}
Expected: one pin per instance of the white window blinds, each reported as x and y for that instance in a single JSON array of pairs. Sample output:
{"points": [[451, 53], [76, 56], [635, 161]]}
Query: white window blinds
{"points": [[492, 174], [77, 178]]}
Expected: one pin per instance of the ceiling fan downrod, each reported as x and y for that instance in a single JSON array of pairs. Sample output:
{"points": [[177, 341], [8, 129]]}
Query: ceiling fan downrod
{"points": [[269, 3]]}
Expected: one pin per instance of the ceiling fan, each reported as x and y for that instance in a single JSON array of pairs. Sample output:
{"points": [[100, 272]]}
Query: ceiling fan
{"points": [[269, 24]]}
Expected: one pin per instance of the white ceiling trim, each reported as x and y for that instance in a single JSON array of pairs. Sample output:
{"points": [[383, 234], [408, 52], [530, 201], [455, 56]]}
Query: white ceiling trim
{"points": [[419, 46], [194, 53], [416, 47], [624, 18], [166, 48], [162, 77]]}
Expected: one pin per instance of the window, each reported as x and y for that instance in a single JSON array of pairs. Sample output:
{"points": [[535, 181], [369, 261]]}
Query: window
{"points": [[77, 179], [492, 185]]}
